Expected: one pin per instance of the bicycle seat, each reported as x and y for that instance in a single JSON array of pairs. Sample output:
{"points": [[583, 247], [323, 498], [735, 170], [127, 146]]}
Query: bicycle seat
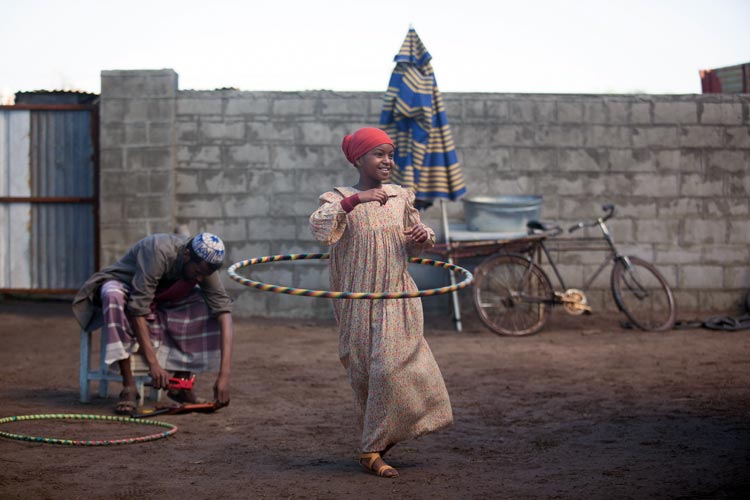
{"points": [[539, 227]]}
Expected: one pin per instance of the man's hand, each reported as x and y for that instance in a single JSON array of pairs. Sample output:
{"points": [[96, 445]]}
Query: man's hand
{"points": [[221, 390], [159, 376]]}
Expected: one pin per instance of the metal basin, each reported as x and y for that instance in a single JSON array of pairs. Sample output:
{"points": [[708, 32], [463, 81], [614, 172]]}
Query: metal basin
{"points": [[492, 213]]}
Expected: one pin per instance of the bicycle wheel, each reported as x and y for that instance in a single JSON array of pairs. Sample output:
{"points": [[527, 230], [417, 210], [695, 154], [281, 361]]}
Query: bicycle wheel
{"points": [[512, 295], [643, 294]]}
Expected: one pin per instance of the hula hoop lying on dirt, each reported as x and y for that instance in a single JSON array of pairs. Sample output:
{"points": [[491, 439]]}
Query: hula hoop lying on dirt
{"points": [[77, 442], [468, 279]]}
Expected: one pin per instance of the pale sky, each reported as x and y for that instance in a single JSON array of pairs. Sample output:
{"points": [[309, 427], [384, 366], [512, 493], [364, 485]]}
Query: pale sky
{"points": [[532, 46]]}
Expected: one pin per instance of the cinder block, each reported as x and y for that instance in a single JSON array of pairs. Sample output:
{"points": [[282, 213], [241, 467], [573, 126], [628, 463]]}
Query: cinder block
{"points": [[160, 133], [726, 255], [272, 132], [248, 105], [672, 254], [728, 207], [737, 277], [195, 206], [191, 106], [739, 231], [224, 181], [317, 133], [728, 161], [478, 110], [229, 229], [135, 134], [655, 185], [707, 231], [595, 112], [186, 183], [533, 159], [186, 132], [342, 107], [701, 137], [245, 206], [679, 207], [503, 135], [609, 136], [660, 136], [248, 153], [675, 112], [570, 112], [222, 132], [273, 228], [486, 160], [700, 186], [640, 113], [148, 207], [304, 157], [148, 158], [112, 134], [705, 277], [556, 136], [563, 185], [632, 160], [682, 160], [583, 160], [507, 185], [721, 113], [738, 137], [656, 230], [299, 106], [199, 155], [111, 159]]}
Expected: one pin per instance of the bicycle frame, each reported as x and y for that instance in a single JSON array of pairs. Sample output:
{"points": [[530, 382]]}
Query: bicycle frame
{"points": [[540, 248]]}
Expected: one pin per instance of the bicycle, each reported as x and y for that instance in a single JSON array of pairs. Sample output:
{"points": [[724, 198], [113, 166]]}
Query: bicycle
{"points": [[513, 294]]}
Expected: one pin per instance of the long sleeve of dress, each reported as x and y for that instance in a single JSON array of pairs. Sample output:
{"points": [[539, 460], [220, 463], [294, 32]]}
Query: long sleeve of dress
{"points": [[328, 222], [411, 218]]}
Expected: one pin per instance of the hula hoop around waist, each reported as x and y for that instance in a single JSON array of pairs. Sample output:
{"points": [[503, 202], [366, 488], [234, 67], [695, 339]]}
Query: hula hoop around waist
{"points": [[468, 279]]}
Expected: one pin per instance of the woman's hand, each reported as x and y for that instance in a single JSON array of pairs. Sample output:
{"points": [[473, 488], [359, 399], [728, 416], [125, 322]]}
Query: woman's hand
{"points": [[417, 233], [376, 194]]}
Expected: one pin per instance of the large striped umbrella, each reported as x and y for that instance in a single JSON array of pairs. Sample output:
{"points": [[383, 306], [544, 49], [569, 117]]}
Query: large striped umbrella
{"points": [[414, 116]]}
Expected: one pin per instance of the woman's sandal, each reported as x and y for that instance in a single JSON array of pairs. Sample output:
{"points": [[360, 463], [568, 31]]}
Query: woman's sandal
{"points": [[128, 402], [382, 471]]}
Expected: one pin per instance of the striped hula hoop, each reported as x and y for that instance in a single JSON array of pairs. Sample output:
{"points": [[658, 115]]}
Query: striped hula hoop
{"points": [[232, 271], [77, 442]]}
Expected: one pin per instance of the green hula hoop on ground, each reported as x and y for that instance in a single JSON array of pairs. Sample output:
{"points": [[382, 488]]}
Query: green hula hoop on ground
{"points": [[76, 442], [232, 271]]}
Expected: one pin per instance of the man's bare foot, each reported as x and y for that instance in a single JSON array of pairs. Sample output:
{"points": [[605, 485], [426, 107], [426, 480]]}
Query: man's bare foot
{"points": [[128, 400]]}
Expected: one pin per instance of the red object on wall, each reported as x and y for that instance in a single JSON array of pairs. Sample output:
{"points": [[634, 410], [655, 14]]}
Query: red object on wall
{"points": [[710, 83]]}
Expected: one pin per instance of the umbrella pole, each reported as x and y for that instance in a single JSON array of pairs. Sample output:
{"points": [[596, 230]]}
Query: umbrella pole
{"points": [[454, 294]]}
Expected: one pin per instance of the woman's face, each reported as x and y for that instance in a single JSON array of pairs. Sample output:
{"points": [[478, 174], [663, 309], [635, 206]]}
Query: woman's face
{"points": [[377, 164]]}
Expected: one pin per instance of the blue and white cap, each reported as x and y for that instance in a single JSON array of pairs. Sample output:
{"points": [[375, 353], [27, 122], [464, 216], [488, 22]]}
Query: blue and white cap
{"points": [[210, 248]]}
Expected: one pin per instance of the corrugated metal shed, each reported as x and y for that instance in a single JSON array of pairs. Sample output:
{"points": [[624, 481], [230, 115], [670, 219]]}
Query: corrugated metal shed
{"points": [[726, 80], [48, 197]]}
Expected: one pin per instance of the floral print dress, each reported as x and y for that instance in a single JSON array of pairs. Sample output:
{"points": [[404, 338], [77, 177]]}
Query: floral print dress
{"points": [[399, 391]]}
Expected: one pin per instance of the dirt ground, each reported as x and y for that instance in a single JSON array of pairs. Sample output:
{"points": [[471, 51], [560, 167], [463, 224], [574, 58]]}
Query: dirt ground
{"points": [[584, 409]]}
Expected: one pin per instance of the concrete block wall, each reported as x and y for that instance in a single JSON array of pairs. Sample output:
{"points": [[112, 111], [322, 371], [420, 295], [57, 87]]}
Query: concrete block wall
{"points": [[136, 181], [249, 166]]}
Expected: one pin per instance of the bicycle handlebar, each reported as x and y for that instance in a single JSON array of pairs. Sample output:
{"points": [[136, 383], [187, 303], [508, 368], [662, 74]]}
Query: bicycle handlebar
{"points": [[609, 208]]}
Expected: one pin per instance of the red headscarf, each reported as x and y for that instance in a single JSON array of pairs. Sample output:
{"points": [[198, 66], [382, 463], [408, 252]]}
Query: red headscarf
{"points": [[363, 140]]}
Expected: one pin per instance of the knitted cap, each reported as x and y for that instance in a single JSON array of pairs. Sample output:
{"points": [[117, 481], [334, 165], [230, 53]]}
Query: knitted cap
{"points": [[209, 247]]}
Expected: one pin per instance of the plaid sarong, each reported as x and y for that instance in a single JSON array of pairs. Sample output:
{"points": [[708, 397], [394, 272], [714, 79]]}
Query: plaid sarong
{"points": [[184, 334]]}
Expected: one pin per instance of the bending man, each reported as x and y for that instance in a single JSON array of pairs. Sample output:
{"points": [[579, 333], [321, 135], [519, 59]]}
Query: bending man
{"points": [[164, 299]]}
